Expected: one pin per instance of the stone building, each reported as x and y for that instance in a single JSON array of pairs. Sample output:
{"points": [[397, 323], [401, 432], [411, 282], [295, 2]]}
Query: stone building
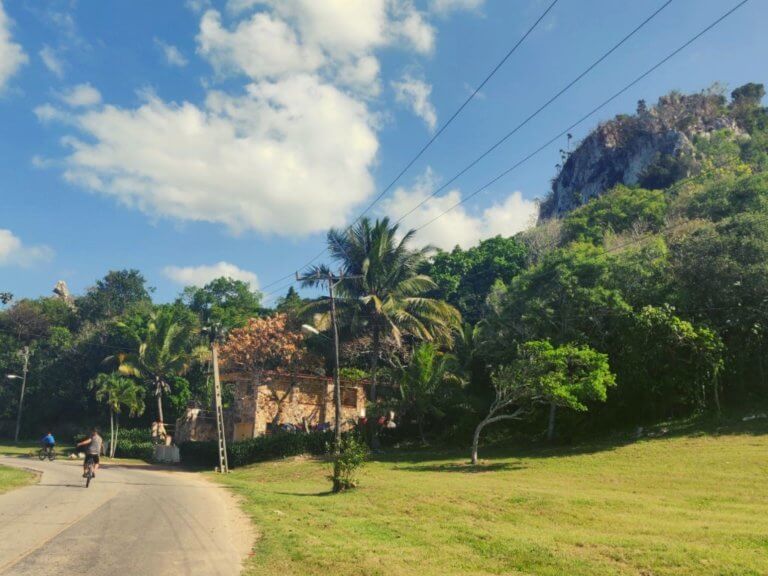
{"points": [[276, 399]]}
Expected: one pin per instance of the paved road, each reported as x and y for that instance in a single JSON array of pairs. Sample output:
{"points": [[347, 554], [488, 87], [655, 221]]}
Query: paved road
{"points": [[131, 521]]}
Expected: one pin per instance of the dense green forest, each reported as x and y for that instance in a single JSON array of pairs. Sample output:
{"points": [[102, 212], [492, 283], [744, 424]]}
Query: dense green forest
{"points": [[667, 280]]}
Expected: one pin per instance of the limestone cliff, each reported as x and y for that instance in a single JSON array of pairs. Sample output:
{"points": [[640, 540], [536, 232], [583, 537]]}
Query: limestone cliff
{"points": [[621, 150]]}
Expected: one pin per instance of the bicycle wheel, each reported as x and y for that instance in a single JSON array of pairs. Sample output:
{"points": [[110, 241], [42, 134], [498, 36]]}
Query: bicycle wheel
{"points": [[52, 455], [41, 454], [88, 475]]}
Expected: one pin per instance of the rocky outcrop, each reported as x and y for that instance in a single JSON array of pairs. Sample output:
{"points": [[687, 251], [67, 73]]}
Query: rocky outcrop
{"points": [[621, 150]]}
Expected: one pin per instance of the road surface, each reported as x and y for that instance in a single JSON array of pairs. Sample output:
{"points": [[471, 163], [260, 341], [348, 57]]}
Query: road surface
{"points": [[131, 521]]}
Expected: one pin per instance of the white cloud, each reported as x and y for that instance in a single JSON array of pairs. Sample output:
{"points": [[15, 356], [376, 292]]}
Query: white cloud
{"points": [[172, 55], [458, 226], [201, 275], [415, 94], [444, 7], [256, 161], [81, 96], [12, 57], [52, 61], [261, 46], [288, 153], [13, 252], [410, 25], [197, 5]]}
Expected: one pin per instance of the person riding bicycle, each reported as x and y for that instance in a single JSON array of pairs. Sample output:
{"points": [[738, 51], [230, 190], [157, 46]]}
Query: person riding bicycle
{"points": [[48, 442], [94, 445]]}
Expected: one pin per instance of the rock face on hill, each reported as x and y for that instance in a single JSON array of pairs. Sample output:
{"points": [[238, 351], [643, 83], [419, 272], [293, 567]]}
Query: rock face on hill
{"points": [[622, 150]]}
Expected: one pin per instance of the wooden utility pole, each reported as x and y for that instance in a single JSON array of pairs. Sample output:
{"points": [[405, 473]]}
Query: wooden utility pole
{"points": [[24, 354], [220, 430]]}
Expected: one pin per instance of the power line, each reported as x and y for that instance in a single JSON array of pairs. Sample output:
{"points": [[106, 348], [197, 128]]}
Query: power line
{"points": [[588, 115], [538, 111], [437, 134]]}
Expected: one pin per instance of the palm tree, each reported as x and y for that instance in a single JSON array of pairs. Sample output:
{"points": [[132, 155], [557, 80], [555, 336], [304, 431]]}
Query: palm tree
{"points": [[117, 392], [386, 294], [422, 381], [160, 353]]}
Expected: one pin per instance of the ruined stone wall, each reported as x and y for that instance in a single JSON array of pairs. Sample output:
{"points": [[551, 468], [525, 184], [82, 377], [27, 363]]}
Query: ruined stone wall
{"points": [[288, 399]]}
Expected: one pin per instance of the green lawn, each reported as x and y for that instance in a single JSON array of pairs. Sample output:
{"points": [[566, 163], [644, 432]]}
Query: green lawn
{"points": [[692, 505], [8, 448], [11, 478]]}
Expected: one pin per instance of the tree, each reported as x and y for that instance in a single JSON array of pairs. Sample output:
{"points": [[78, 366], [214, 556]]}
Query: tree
{"points": [[388, 294], [117, 392], [750, 94], [567, 376], [422, 382], [464, 277], [160, 352], [226, 302], [113, 295], [265, 344]]}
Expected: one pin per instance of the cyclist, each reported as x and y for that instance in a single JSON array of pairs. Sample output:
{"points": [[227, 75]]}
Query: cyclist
{"points": [[93, 450], [48, 442]]}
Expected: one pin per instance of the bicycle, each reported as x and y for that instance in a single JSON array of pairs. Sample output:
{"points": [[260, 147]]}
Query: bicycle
{"points": [[89, 472], [47, 452]]}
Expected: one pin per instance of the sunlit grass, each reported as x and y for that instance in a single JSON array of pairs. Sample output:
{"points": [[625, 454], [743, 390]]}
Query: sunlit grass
{"points": [[11, 478], [691, 505]]}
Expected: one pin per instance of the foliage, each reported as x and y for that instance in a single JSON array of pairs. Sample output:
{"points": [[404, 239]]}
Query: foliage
{"points": [[386, 293], [616, 212], [224, 302], [424, 383], [346, 462], [259, 449], [115, 294], [464, 277], [160, 352], [567, 376], [264, 344]]}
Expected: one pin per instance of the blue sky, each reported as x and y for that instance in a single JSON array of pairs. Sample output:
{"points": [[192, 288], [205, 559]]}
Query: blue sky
{"points": [[191, 139]]}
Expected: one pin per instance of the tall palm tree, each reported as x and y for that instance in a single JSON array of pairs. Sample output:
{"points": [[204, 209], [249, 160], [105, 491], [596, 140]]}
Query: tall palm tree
{"points": [[161, 352], [118, 392], [386, 294]]}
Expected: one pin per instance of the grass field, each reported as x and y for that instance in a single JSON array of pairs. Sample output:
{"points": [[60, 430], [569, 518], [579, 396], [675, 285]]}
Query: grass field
{"points": [[8, 448], [691, 504], [11, 478]]}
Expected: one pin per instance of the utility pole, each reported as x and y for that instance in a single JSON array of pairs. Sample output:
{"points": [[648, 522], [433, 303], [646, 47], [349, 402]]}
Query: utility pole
{"points": [[214, 333], [332, 281], [25, 352], [220, 430]]}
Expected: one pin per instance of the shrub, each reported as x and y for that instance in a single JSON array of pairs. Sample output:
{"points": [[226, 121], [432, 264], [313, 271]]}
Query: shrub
{"points": [[347, 462], [260, 449], [134, 443]]}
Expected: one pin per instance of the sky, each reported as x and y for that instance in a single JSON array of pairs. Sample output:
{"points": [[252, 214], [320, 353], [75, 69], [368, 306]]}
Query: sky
{"points": [[200, 138]]}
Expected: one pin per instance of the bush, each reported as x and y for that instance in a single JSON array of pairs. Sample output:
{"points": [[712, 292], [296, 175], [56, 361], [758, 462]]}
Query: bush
{"points": [[134, 443], [260, 449], [347, 462]]}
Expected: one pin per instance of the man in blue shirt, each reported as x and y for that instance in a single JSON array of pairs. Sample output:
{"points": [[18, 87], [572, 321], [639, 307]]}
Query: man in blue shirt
{"points": [[48, 442]]}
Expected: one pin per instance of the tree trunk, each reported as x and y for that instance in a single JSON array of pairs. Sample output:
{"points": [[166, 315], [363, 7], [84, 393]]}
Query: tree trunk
{"points": [[716, 393], [375, 350], [117, 433], [111, 432], [420, 421], [159, 394], [551, 424], [476, 440], [516, 415]]}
